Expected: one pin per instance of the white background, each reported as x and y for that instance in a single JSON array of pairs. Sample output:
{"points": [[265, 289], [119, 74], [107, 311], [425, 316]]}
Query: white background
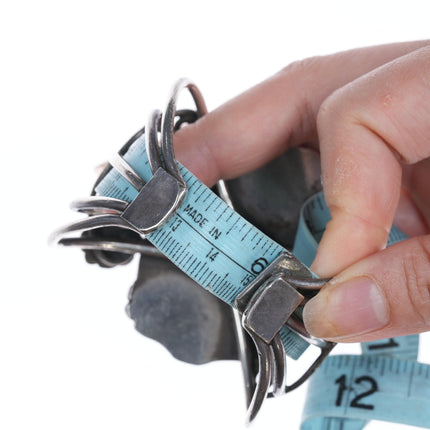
{"points": [[78, 78]]}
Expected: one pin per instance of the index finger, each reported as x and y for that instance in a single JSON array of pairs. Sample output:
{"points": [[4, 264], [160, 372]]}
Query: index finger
{"points": [[275, 115], [368, 129]]}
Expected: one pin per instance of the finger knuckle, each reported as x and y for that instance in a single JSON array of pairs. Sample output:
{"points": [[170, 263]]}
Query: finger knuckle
{"points": [[334, 112], [301, 75], [303, 68], [416, 266]]}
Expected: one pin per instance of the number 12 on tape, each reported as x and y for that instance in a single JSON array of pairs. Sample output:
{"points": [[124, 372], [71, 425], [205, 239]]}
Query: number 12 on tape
{"points": [[367, 387]]}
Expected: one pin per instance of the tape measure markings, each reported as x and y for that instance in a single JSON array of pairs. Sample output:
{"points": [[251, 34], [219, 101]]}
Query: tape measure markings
{"points": [[370, 387], [221, 253], [166, 251], [404, 347], [294, 345]]}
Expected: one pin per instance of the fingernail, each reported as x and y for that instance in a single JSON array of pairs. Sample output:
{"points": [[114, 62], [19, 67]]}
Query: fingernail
{"points": [[342, 310]]}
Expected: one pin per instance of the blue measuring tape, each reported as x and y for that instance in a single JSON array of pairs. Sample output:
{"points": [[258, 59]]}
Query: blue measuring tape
{"points": [[385, 383], [205, 238], [223, 252]]}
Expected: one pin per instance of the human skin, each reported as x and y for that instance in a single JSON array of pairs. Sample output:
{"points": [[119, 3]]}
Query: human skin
{"points": [[366, 111]]}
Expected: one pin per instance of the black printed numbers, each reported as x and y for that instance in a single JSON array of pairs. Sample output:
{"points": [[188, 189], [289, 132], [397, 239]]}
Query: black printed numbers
{"points": [[259, 265], [247, 279], [212, 254], [342, 387], [176, 224], [371, 390], [356, 401]]}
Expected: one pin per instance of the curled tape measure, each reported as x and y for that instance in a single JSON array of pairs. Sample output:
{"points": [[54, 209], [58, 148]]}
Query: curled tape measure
{"points": [[347, 391], [385, 383]]}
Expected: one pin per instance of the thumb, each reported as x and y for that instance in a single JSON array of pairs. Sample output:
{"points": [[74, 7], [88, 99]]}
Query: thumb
{"points": [[384, 295]]}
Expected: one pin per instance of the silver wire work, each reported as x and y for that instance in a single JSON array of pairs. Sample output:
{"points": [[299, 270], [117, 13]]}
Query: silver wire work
{"points": [[271, 357], [168, 120], [272, 365], [105, 212]]}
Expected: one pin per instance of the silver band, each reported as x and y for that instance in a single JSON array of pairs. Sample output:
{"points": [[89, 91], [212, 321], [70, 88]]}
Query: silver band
{"points": [[118, 163]]}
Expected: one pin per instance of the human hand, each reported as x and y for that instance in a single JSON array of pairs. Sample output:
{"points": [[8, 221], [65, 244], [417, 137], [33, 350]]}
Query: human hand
{"points": [[367, 112]]}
